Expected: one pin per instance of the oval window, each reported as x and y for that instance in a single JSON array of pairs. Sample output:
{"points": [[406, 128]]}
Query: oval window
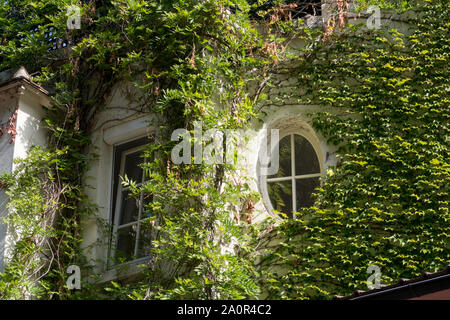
{"points": [[299, 172]]}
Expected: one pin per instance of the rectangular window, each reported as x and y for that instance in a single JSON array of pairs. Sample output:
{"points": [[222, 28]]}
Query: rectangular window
{"points": [[131, 228]]}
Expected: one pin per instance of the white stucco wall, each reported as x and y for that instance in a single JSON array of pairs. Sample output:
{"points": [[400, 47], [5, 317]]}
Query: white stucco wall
{"points": [[7, 107], [30, 132]]}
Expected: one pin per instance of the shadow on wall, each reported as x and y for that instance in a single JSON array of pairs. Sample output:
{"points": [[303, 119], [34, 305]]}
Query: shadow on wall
{"points": [[29, 132], [3, 213], [6, 163]]}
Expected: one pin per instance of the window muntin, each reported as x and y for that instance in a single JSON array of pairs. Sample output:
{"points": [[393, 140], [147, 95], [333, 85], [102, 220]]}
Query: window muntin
{"points": [[131, 228], [299, 172]]}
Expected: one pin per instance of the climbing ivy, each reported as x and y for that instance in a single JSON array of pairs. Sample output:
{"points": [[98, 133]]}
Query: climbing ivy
{"points": [[386, 202]]}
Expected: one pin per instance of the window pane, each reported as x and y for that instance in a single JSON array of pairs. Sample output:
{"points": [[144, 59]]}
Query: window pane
{"points": [[284, 158], [144, 244], [280, 194], [129, 210], [306, 161], [126, 242], [147, 209], [132, 166], [304, 189]]}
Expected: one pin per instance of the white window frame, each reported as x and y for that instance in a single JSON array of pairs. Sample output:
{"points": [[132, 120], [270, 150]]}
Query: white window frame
{"points": [[264, 180], [118, 207]]}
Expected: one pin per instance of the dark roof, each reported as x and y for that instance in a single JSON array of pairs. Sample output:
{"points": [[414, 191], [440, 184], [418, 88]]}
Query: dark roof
{"points": [[406, 288]]}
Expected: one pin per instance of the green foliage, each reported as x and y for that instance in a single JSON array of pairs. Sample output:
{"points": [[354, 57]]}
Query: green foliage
{"points": [[386, 203], [43, 233], [191, 60]]}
